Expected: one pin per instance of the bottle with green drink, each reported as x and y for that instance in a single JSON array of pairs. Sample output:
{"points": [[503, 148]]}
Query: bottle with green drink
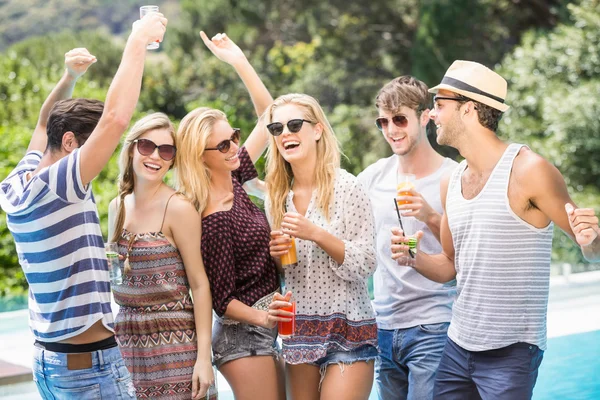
{"points": [[114, 267]]}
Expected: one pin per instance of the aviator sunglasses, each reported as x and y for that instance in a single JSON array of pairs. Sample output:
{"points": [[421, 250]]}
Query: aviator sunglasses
{"points": [[294, 126], [146, 147], [225, 145], [399, 120]]}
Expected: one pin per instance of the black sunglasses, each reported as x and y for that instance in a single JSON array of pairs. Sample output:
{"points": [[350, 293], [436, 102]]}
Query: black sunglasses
{"points": [[294, 126], [459, 98], [146, 147], [399, 120], [225, 145]]}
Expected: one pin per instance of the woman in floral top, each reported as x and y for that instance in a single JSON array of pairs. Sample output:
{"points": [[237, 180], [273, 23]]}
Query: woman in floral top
{"points": [[326, 209]]}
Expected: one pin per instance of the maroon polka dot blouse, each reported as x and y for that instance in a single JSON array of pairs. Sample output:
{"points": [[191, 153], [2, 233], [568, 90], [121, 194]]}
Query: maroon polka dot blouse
{"points": [[235, 247]]}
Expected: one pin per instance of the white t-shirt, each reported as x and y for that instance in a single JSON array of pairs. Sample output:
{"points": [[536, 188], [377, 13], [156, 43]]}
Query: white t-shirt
{"points": [[403, 297]]}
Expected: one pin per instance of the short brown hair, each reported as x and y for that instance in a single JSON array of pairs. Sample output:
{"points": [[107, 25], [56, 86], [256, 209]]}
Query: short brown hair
{"points": [[488, 117], [404, 91], [79, 116]]}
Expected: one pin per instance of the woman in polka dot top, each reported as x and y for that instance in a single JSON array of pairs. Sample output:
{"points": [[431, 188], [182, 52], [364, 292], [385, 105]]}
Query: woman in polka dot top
{"points": [[235, 235], [326, 209]]}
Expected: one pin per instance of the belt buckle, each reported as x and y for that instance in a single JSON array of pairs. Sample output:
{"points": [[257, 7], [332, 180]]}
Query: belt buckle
{"points": [[76, 361]]}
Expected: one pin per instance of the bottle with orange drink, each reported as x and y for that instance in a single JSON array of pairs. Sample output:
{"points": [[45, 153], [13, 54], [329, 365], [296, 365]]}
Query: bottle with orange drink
{"points": [[291, 258], [405, 183]]}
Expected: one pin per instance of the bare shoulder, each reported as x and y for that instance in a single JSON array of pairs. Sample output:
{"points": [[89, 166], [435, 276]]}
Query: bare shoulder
{"points": [[530, 168], [181, 209], [113, 204], [535, 176], [444, 183]]}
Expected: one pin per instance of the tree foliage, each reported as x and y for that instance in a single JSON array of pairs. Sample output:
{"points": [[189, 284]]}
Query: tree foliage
{"points": [[340, 52], [554, 82]]}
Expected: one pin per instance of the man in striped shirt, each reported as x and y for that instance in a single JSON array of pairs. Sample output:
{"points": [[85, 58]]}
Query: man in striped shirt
{"points": [[496, 234], [53, 218]]}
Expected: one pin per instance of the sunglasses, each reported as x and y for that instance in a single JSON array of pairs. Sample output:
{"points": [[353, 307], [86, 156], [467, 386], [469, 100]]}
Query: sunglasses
{"points": [[146, 147], [399, 120], [461, 99], [225, 145], [293, 125]]}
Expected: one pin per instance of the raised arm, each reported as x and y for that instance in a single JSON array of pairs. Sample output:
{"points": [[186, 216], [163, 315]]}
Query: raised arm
{"points": [[77, 61], [548, 191], [122, 97], [226, 50]]}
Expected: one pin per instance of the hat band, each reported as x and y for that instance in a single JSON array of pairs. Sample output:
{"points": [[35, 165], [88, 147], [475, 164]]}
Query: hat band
{"points": [[465, 86]]}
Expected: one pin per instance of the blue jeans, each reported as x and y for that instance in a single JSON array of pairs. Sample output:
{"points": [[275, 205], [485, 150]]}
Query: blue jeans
{"points": [[507, 373], [108, 378], [408, 360]]}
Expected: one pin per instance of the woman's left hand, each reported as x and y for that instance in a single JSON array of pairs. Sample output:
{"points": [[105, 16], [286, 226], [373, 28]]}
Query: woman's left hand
{"points": [[223, 48], [202, 378], [296, 225]]}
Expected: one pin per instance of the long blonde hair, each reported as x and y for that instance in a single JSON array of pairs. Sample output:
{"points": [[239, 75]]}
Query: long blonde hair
{"points": [[192, 176], [279, 172], [126, 176]]}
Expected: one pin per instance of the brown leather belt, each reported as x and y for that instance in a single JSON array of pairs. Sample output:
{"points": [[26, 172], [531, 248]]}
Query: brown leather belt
{"points": [[77, 361]]}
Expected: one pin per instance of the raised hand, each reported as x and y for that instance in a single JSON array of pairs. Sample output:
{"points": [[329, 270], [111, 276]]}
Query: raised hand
{"points": [[584, 224], [151, 28], [78, 61], [223, 48], [297, 225], [417, 207]]}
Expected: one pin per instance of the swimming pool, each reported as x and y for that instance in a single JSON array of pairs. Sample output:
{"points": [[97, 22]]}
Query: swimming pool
{"points": [[570, 369]]}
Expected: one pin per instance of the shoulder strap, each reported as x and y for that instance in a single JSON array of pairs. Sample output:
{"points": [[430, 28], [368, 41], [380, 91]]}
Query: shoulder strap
{"points": [[165, 213]]}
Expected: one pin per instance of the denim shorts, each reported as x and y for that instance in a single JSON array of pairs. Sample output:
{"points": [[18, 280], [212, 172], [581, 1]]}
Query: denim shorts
{"points": [[363, 353], [108, 377], [239, 340], [342, 358]]}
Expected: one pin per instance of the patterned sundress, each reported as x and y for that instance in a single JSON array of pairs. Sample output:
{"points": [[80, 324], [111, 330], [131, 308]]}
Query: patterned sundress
{"points": [[155, 325]]}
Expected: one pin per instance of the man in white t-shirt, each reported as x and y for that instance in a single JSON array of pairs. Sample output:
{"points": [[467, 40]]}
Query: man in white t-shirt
{"points": [[413, 313]]}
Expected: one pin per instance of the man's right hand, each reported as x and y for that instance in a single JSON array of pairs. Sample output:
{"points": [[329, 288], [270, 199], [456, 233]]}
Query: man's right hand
{"points": [[78, 61], [151, 28]]}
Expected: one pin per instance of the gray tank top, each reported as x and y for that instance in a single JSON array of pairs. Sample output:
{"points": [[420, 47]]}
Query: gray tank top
{"points": [[502, 265]]}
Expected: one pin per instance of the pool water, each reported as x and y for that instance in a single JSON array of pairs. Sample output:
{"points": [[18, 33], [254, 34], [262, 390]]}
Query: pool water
{"points": [[12, 303]]}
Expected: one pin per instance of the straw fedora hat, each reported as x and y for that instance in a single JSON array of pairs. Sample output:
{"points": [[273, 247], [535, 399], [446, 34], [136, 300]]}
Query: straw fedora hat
{"points": [[476, 82]]}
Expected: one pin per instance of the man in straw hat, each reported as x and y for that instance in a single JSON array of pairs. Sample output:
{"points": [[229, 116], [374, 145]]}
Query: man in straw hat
{"points": [[413, 312], [496, 234]]}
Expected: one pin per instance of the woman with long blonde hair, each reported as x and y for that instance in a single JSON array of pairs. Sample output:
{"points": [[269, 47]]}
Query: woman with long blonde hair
{"points": [[164, 336], [333, 349], [235, 236]]}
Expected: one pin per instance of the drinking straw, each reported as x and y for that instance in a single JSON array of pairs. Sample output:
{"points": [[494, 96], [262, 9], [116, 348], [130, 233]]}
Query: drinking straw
{"points": [[410, 252]]}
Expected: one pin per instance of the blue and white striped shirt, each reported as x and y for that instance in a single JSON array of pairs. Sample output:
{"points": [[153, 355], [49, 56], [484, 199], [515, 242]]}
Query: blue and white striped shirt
{"points": [[54, 221]]}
